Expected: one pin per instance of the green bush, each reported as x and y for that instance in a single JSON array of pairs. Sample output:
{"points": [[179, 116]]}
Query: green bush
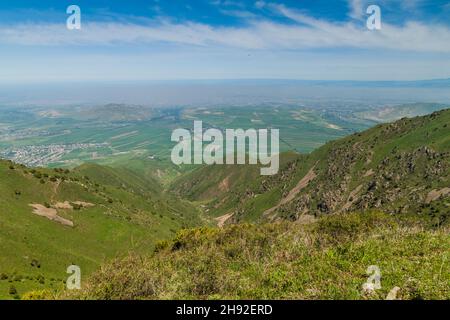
{"points": [[40, 279], [12, 290], [39, 295], [35, 263]]}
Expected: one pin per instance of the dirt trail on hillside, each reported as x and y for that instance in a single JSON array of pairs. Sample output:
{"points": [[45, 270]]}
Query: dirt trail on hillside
{"points": [[222, 219], [63, 205], [50, 213], [225, 184], [351, 198], [302, 184], [55, 189], [369, 173], [436, 194], [84, 204]]}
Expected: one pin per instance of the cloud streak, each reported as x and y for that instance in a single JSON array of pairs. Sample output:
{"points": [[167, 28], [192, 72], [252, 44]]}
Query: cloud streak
{"points": [[272, 41], [305, 32]]}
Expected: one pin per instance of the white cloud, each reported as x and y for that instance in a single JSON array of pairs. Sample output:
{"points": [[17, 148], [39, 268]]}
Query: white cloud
{"points": [[356, 9], [260, 4], [258, 34]]}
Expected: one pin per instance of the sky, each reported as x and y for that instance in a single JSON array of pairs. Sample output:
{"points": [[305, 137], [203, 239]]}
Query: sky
{"points": [[137, 40]]}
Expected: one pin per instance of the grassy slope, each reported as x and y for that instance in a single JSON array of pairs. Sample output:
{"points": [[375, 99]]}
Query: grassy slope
{"points": [[324, 260], [129, 214]]}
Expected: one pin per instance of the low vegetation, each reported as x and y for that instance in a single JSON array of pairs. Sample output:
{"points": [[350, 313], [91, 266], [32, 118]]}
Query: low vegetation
{"points": [[327, 259]]}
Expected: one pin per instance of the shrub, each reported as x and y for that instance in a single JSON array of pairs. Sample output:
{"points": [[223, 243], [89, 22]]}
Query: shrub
{"points": [[35, 263], [39, 295], [161, 245], [40, 279], [17, 277], [12, 290]]}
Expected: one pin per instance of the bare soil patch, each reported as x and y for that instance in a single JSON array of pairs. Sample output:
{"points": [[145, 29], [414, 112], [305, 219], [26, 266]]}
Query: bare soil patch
{"points": [[225, 184], [50, 213], [63, 205], [436, 194], [222, 219], [302, 184], [84, 204]]}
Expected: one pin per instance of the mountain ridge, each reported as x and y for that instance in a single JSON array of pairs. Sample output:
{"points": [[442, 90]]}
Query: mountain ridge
{"points": [[391, 167]]}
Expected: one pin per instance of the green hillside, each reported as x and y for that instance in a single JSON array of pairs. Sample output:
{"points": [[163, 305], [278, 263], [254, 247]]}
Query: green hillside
{"points": [[90, 215], [402, 167]]}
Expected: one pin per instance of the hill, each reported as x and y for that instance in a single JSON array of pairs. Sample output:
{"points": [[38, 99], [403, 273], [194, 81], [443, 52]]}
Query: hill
{"points": [[393, 113], [53, 218], [401, 167]]}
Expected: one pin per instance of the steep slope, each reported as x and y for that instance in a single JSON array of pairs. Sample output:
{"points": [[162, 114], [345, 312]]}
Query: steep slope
{"points": [[53, 218], [402, 167], [121, 177], [222, 186]]}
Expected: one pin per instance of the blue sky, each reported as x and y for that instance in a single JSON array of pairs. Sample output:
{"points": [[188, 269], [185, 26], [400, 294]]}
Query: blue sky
{"points": [[223, 39]]}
